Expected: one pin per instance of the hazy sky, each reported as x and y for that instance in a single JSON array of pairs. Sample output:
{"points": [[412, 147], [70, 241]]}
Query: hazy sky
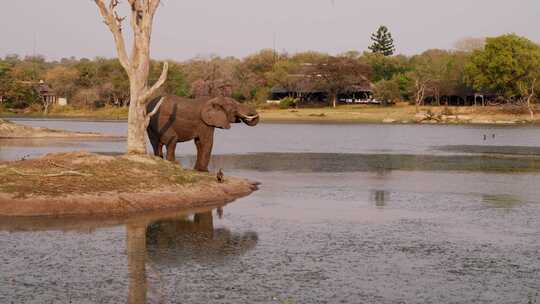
{"points": [[189, 28]]}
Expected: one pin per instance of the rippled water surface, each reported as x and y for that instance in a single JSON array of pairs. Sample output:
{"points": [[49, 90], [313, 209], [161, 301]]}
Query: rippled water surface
{"points": [[345, 214]]}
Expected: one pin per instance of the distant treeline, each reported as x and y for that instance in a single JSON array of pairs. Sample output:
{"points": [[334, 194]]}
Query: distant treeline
{"points": [[507, 66]]}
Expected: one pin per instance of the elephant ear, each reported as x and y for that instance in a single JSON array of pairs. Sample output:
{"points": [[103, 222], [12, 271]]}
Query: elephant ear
{"points": [[213, 114]]}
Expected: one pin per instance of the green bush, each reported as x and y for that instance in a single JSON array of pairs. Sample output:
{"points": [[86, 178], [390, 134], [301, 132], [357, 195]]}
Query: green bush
{"points": [[261, 95], [387, 91], [287, 102]]}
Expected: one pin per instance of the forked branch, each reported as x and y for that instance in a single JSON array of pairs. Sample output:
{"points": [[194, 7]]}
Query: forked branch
{"points": [[114, 23]]}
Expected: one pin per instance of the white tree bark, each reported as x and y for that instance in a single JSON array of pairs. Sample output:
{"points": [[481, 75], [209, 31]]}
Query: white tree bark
{"points": [[529, 99], [420, 87], [137, 65]]}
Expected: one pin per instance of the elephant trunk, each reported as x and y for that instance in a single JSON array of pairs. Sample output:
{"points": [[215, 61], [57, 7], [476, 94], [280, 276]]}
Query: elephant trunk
{"points": [[250, 120]]}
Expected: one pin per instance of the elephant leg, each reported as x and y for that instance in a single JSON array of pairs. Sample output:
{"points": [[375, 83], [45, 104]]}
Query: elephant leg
{"points": [[204, 151], [159, 150], [156, 145], [198, 161], [169, 139], [171, 149]]}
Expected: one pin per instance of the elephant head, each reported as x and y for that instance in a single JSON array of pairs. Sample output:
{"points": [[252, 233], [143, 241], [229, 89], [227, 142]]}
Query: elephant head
{"points": [[222, 111]]}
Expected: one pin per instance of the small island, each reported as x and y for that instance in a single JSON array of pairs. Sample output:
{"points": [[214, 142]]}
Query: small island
{"points": [[10, 130], [81, 183]]}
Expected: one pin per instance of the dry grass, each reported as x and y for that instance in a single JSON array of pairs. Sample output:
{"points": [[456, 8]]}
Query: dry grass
{"points": [[400, 113], [13, 130], [107, 112], [84, 173]]}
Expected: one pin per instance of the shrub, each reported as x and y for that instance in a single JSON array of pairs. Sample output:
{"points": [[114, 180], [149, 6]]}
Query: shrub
{"points": [[86, 98], [287, 102], [261, 95], [387, 91]]}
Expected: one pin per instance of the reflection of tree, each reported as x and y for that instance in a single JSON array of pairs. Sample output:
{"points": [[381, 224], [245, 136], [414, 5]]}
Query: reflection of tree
{"points": [[380, 197], [502, 201], [136, 251]]}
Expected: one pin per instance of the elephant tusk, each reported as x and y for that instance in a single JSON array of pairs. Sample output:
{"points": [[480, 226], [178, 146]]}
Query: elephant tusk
{"points": [[250, 118]]}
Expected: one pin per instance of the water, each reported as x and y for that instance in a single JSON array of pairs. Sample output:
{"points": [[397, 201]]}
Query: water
{"points": [[345, 214]]}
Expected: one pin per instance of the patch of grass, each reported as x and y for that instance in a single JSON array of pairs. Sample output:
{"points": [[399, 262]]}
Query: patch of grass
{"points": [[84, 173], [107, 112], [401, 112]]}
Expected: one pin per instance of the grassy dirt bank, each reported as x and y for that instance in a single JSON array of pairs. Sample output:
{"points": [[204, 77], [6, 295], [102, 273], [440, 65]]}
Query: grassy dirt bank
{"points": [[81, 183], [10, 130], [108, 112], [399, 113]]}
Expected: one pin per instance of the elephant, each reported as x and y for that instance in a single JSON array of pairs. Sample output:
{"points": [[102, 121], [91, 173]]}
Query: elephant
{"points": [[180, 119]]}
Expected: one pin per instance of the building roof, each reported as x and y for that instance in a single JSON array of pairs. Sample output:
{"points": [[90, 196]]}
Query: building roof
{"points": [[41, 88]]}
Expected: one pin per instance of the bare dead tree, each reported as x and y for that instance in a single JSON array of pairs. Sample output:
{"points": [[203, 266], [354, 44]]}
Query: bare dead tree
{"points": [[528, 94], [137, 65], [420, 86]]}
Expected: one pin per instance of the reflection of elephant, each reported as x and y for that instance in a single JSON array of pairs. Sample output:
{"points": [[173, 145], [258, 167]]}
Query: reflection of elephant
{"points": [[184, 239], [182, 119], [178, 239]]}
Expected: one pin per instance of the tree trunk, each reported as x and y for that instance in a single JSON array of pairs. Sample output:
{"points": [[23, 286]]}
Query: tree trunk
{"points": [[46, 108], [334, 100], [137, 66], [136, 252], [136, 141], [531, 96], [529, 106]]}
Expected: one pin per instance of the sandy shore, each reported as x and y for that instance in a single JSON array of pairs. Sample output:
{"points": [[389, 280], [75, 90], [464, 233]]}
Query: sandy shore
{"points": [[9, 130]]}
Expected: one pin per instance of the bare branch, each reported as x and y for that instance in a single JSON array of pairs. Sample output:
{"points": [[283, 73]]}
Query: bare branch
{"points": [[162, 78], [113, 22], [153, 6]]}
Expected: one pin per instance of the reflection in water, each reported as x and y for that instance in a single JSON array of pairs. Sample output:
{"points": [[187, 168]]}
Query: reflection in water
{"points": [[327, 237], [380, 197], [502, 201], [501, 150], [152, 239], [183, 240], [177, 241], [382, 164], [136, 252]]}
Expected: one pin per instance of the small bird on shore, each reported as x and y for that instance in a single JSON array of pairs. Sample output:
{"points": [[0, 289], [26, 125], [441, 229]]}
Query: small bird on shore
{"points": [[220, 176]]}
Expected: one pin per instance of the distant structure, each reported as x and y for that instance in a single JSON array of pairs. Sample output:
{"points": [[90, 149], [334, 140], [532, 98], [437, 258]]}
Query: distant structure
{"points": [[305, 87], [46, 93], [308, 95], [464, 99]]}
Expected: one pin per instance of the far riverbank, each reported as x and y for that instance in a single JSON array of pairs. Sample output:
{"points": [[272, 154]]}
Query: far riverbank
{"points": [[401, 113]]}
